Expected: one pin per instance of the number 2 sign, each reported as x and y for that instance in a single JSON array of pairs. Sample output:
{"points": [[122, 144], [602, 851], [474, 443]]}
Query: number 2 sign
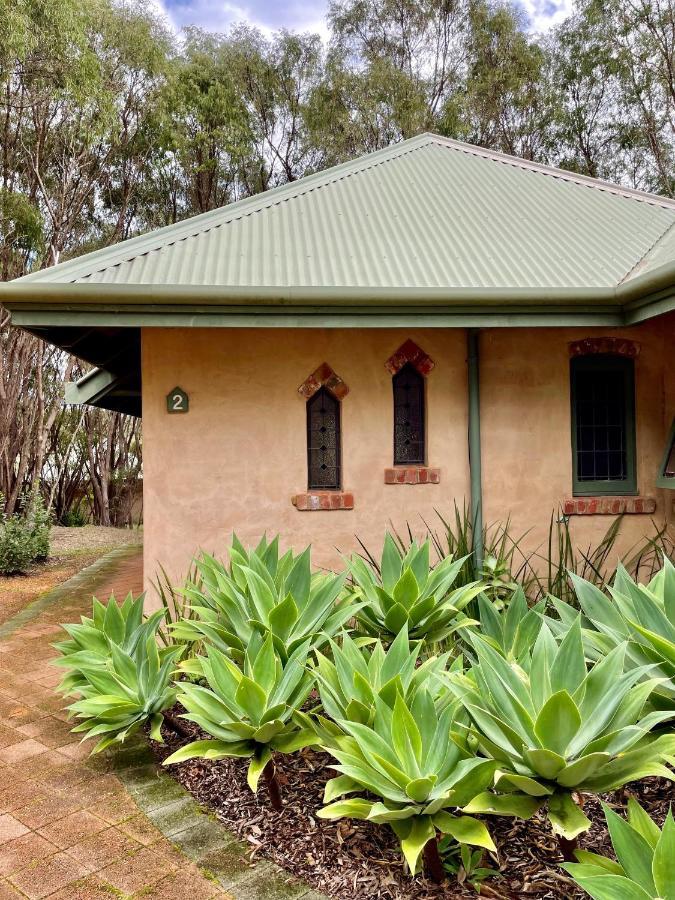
{"points": [[177, 401]]}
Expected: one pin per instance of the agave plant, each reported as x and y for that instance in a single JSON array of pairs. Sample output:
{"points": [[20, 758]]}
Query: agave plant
{"points": [[353, 678], [513, 630], [642, 616], [557, 728], [645, 859], [405, 591], [123, 692], [247, 709], [263, 593], [89, 641], [408, 759]]}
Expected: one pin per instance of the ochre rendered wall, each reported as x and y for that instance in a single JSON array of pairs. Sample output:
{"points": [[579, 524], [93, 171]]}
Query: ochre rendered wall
{"points": [[239, 455], [526, 427], [236, 459]]}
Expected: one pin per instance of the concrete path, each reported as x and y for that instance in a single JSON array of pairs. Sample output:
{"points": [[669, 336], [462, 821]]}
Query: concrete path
{"points": [[75, 827]]}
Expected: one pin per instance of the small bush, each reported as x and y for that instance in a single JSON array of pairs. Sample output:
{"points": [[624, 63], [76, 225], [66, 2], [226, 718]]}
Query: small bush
{"points": [[75, 517], [16, 546], [23, 538]]}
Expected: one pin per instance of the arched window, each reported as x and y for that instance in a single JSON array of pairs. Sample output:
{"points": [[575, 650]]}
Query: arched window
{"points": [[323, 441], [409, 417]]}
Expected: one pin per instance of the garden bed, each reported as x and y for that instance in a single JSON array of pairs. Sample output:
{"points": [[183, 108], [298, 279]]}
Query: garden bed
{"points": [[354, 860]]}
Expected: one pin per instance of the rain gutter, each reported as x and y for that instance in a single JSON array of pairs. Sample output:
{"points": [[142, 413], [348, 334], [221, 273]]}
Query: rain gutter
{"points": [[475, 474]]}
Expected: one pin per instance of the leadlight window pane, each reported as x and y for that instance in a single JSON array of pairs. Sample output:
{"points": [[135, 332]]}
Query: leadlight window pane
{"points": [[602, 397], [323, 441], [409, 442]]}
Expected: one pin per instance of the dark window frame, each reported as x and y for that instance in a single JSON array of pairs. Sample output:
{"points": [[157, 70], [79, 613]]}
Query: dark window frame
{"points": [[337, 485], [421, 458], [625, 368], [663, 479]]}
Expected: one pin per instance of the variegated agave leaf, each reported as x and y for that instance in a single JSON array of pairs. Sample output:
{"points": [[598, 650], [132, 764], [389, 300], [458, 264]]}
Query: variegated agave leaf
{"points": [[408, 592], [352, 677], [556, 726], [247, 709], [408, 759], [125, 691], [645, 859], [261, 592]]}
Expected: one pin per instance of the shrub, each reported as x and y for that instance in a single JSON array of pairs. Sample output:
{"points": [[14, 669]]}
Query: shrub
{"points": [[24, 538], [89, 643], [405, 591], [247, 709], [556, 728], [645, 859], [16, 546], [407, 758], [38, 521], [641, 617], [513, 630], [354, 680], [117, 671], [263, 593]]}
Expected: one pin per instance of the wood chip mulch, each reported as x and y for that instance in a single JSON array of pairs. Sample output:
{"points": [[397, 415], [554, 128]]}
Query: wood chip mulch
{"points": [[352, 860]]}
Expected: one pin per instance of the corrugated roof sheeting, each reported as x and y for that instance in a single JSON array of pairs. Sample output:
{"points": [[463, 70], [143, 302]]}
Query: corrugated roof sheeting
{"points": [[430, 213]]}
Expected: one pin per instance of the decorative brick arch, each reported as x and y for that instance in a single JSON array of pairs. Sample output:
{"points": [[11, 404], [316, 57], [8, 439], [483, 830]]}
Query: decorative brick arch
{"points": [[409, 352], [324, 376], [613, 345]]}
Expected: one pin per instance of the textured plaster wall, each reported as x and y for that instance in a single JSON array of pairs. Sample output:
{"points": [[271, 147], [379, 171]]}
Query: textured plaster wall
{"points": [[235, 460], [526, 427]]}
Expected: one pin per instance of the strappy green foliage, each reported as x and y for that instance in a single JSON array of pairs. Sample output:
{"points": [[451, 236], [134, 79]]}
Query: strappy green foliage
{"points": [[645, 859], [117, 671], [641, 616], [408, 759], [351, 679], [513, 630], [261, 592], [247, 709], [556, 726], [89, 641], [406, 591]]}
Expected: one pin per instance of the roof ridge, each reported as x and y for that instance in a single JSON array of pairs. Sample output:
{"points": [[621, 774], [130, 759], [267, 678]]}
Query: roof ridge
{"points": [[184, 229], [648, 252], [554, 172]]}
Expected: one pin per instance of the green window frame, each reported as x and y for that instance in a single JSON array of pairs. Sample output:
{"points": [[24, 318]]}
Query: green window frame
{"points": [[666, 475], [603, 425]]}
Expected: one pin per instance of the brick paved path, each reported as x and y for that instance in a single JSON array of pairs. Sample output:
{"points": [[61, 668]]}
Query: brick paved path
{"points": [[69, 829]]}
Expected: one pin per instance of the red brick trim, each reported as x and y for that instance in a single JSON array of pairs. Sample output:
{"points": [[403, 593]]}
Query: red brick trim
{"points": [[324, 376], [326, 500], [412, 475], [409, 352], [608, 506], [616, 346]]}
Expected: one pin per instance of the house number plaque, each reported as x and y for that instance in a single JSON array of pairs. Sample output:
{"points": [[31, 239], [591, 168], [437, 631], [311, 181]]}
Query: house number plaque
{"points": [[177, 401]]}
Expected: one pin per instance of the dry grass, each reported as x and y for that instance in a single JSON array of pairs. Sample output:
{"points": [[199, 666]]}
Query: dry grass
{"points": [[72, 549]]}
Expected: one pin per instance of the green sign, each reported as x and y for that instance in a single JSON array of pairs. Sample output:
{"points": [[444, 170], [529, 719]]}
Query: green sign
{"points": [[177, 401]]}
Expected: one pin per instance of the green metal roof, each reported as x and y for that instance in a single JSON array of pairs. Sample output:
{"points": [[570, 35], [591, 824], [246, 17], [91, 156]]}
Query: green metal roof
{"points": [[429, 232], [426, 214]]}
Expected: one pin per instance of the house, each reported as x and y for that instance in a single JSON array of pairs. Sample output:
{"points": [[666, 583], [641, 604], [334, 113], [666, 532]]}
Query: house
{"points": [[431, 322]]}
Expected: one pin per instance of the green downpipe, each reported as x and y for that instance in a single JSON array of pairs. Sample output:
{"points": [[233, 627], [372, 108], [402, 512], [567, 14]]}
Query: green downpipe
{"points": [[474, 445]]}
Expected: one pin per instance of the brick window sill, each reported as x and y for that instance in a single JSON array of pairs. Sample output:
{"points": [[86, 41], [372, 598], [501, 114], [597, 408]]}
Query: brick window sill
{"points": [[412, 475], [608, 506], [314, 501]]}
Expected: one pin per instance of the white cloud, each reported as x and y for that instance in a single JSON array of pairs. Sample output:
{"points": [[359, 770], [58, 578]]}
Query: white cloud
{"points": [[544, 14]]}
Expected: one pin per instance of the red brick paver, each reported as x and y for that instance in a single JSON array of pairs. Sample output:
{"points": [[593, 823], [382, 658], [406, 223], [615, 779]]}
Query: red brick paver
{"points": [[68, 828]]}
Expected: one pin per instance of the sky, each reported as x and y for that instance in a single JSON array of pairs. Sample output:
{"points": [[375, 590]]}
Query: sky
{"points": [[307, 15]]}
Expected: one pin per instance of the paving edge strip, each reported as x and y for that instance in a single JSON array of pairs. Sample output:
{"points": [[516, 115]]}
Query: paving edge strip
{"points": [[198, 834], [192, 829], [87, 579]]}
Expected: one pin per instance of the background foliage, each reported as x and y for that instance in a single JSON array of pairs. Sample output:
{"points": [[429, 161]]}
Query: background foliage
{"points": [[112, 125]]}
